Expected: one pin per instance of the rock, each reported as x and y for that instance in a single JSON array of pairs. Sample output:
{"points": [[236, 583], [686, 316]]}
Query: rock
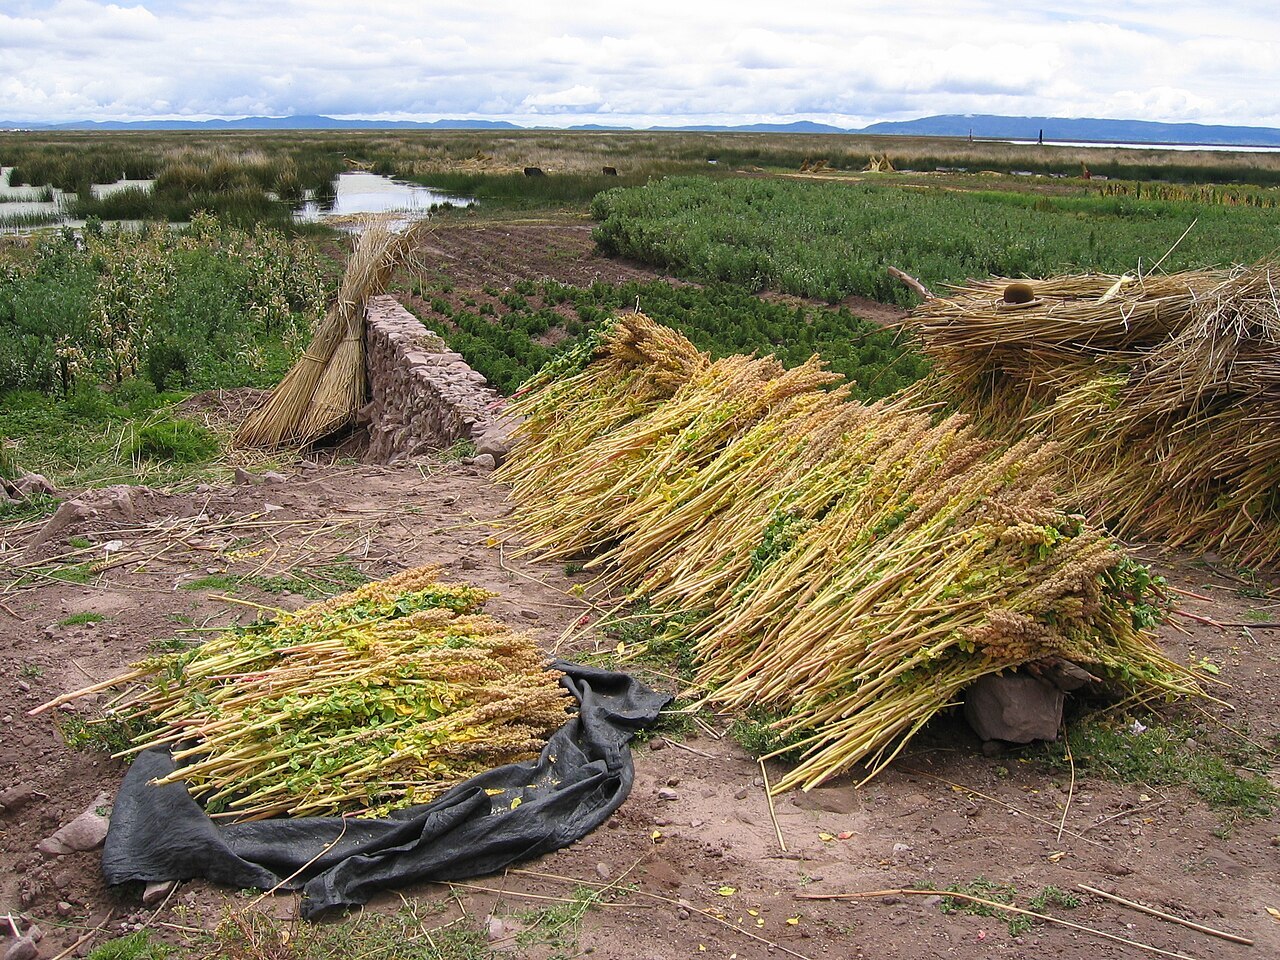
{"points": [[902, 847], [657, 743], [85, 832], [32, 483], [24, 948], [156, 892], [530, 614], [1016, 707], [666, 793], [65, 909], [485, 461], [244, 478], [272, 477], [16, 797], [604, 871], [495, 444], [466, 563], [742, 794]]}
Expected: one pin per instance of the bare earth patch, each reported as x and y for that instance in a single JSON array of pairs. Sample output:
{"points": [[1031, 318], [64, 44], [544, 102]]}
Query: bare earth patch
{"points": [[696, 837]]}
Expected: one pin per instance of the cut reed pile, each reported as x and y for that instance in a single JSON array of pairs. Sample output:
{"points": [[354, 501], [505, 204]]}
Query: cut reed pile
{"points": [[1162, 391], [323, 390], [374, 700], [848, 568]]}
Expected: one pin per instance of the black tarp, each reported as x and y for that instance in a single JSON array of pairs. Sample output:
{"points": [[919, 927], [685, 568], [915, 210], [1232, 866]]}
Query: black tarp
{"points": [[582, 776]]}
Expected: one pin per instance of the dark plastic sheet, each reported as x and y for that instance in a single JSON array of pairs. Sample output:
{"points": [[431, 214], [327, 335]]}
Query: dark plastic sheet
{"points": [[583, 775]]}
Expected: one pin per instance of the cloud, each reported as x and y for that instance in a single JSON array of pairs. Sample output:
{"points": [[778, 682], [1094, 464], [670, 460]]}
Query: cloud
{"points": [[612, 63]]}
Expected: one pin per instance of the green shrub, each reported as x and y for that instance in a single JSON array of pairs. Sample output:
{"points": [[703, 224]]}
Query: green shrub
{"points": [[176, 441]]}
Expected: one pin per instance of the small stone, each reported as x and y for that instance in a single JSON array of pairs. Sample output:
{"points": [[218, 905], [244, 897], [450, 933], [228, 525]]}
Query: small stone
{"points": [[15, 798], [157, 891], [244, 478], [24, 686], [682, 914], [530, 614], [901, 847], [604, 871], [485, 461], [466, 563], [85, 832], [24, 948], [742, 794], [666, 793], [65, 909], [657, 743], [272, 477]]}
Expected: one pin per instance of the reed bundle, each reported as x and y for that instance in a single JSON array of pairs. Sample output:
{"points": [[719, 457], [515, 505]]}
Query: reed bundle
{"points": [[323, 390], [374, 700], [1164, 393], [848, 568]]}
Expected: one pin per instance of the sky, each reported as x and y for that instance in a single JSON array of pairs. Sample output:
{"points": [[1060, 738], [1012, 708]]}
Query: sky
{"points": [[625, 63]]}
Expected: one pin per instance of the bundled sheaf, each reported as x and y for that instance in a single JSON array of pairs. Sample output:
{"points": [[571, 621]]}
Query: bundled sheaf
{"points": [[847, 568], [1163, 393], [371, 701], [322, 391]]}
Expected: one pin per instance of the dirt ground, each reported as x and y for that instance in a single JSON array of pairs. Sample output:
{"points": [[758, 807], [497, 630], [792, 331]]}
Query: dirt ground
{"points": [[696, 838]]}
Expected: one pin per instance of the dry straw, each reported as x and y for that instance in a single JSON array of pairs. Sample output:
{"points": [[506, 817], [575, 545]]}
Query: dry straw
{"points": [[1163, 391], [323, 390], [848, 568]]}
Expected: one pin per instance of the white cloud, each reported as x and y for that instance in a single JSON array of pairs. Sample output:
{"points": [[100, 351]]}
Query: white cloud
{"points": [[686, 61]]}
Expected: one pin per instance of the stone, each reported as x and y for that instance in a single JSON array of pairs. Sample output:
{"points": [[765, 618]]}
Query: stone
{"points": [[1015, 707], [485, 461], [16, 797], [24, 948], [244, 478], [30, 483], [157, 891], [666, 793], [85, 832], [272, 477]]}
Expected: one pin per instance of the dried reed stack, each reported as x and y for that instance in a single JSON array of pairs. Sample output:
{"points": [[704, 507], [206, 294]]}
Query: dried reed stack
{"points": [[847, 568], [323, 390], [1164, 393]]}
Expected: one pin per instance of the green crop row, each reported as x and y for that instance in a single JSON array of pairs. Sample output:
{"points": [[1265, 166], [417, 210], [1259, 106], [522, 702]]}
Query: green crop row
{"points": [[830, 240], [508, 335]]}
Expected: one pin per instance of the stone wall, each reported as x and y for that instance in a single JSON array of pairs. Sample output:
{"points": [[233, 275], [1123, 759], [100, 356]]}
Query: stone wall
{"points": [[423, 396]]}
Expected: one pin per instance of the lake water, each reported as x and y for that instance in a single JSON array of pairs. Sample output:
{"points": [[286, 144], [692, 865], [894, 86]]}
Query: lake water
{"points": [[355, 194], [1214, 147], [358, 193]]}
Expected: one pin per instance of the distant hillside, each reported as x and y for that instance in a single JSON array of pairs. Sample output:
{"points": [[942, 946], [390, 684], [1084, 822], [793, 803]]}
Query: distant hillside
{"points": [[1058, 128], [952, 125]]}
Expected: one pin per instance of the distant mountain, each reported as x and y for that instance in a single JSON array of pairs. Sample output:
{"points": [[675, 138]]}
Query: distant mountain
{"points": [[1083, 129], [951, 125]]}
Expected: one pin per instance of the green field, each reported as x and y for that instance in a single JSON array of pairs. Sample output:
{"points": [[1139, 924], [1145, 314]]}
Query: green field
{"points": [[829, 240], [505, 334]]}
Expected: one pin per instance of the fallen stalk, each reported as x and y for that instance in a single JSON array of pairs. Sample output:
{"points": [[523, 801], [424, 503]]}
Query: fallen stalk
{"points": [[1151, 911], [996, 905]]}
